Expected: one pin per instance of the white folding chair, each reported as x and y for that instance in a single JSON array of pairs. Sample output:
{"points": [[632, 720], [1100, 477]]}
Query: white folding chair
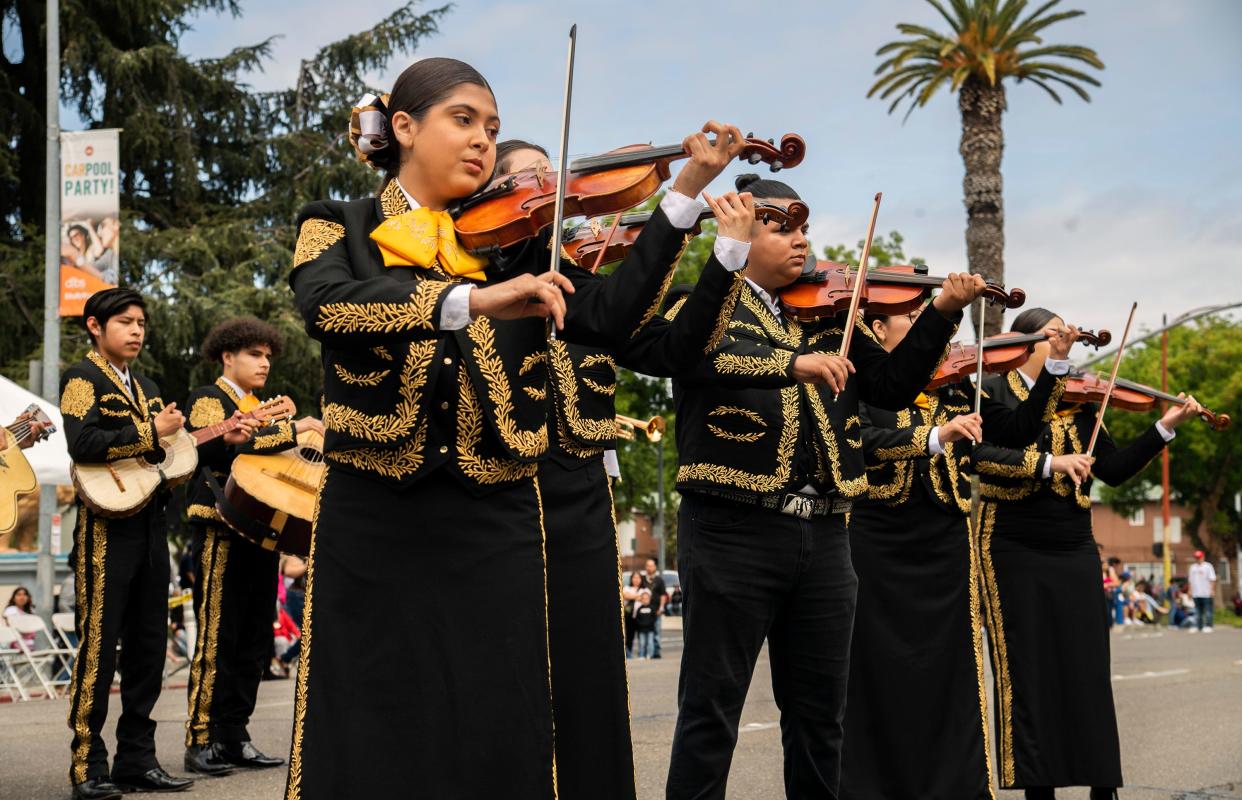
{"points": [[13, 661], [46, 653]]}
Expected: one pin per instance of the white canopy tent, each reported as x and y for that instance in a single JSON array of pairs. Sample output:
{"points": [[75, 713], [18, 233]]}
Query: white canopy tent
{"points": [[49, 458]]}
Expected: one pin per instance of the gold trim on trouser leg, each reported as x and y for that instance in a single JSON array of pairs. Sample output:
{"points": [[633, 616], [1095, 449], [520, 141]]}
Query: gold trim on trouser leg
{"points": [[976, 637], [1000, 658], [616, 538], [203, 671], [83, 689], [547, 641], [293, 786]]}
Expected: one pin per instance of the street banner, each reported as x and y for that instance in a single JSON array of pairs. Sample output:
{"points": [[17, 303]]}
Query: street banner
{"points": [[90, 222]]}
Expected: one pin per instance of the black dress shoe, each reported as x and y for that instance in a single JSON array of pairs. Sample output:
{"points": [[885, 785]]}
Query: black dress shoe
{"points": [[205, 759], [96, 789], [245, 754], [153, 780]]}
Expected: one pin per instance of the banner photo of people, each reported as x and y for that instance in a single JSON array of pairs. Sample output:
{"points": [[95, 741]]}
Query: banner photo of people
{"points": [[90, 224]]}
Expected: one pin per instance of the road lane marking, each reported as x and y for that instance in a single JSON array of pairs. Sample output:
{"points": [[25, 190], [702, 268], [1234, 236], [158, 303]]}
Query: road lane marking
{"points": [[1144, 675]]}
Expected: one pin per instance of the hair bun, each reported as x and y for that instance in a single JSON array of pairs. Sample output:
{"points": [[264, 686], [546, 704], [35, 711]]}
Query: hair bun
{"points": [[744, 180]]}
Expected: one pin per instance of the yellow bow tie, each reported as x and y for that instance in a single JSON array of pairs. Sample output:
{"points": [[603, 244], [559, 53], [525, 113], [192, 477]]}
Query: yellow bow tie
{"points": [[248, 403], [421, 238], [922, 402]]}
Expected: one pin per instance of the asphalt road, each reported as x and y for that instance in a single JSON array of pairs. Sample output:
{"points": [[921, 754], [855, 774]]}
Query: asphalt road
{"points": [[1179, 703]]}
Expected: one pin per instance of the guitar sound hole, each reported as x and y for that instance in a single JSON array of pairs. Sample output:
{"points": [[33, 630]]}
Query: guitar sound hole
{"points": [[311, 454]]}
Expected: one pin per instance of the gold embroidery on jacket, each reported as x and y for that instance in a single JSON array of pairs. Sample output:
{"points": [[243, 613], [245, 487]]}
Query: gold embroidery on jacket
{"points": [[470, 432], [790, 336], [756, 482], [366, 379], [316, 236], [293, 790], [976, 642], [751, 416], [283, 435], [852, 487], [536, 394], [206, 411], [1000, 657], [393, 426], [654, 308], [675, 308], [585, 430], [201, 511], [392, 200], [726, 314], [382, 352], [145, 443], [528, 444], [385, 317], [533, 360], [721, 433], [203, 674], [78, 397], [738, 325], [228, 390], [733, 364]]}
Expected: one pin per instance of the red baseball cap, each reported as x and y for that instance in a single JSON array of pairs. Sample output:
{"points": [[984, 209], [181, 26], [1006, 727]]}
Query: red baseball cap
{"points": [[1198, 554]]}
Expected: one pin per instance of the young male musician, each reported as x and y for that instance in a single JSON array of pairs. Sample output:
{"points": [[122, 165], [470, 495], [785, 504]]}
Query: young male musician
{"points": [[120, 564], [767, 469], [236, 590]]}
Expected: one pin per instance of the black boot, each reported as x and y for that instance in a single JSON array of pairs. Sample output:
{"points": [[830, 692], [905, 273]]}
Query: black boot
{"points": [[206, 759], [153, 780]]}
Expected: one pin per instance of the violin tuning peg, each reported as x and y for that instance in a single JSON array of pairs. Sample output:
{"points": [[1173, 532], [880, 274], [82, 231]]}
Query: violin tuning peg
{"points": [[750, 134], [754, 158], [777, 166], [771, 141]]}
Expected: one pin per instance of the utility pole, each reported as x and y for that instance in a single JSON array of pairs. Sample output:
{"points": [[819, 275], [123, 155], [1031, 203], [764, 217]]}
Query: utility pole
{"points": [[46, 567], [1164, 454]]}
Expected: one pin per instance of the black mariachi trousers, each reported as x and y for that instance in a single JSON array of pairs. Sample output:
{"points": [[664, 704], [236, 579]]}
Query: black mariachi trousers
{"points": [[590, 697], [750, 574], [234, 603], [121, 585]]}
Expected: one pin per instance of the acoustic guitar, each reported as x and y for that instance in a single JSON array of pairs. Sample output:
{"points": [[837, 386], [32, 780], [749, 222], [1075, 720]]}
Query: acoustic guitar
{"points": [[121, 488], [16, 476], [270, 499]]}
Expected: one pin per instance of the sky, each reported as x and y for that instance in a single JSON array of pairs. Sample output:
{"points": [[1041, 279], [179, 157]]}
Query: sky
{"points": [[1135, 196]]}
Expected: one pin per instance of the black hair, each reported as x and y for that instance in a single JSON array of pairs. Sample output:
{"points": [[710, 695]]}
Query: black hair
{"points": [[1032, 320], [107, 303], [510, 146], [419, 87], [764, 188], [237, 334], [29, 599]]}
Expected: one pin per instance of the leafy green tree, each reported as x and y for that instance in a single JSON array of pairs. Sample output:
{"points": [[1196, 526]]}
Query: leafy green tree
{"points": [[1205, 466], [885, 252], [987, 42], [212, 172]]}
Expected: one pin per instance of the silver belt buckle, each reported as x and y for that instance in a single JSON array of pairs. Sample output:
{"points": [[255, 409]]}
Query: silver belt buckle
{"points": [[798, 505]]}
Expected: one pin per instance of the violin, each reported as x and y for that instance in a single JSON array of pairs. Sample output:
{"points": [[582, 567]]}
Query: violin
{"points": [[828, 290], [589, 246], [1001, 353], [516, 207], [1130, 396]]}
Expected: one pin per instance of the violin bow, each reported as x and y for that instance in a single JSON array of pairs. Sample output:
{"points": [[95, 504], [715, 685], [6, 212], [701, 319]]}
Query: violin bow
{"points": [[1112, 381], [856, 299], [975, 504], [558, 216]]}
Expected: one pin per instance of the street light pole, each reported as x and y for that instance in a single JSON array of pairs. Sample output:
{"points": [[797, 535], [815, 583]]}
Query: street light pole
{"points": [[660, 503], [46, 567], [1181, 319]]}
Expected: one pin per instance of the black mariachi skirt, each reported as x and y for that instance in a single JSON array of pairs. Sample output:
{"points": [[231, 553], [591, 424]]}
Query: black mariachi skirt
{"points": [[916, 718], [424, 664], [590, 692], [1055, 720]]}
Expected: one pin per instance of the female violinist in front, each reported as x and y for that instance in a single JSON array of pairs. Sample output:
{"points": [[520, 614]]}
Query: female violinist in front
{"points": [[435, 378]]}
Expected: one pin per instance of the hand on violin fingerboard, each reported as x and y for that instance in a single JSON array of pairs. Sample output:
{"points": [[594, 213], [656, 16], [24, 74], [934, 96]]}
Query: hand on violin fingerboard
{"points": [[1177, 414], [958, 291], [707, 158], [735, 214]]}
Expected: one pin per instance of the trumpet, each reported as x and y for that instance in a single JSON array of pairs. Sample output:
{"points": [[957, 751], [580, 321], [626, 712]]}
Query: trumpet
{"points": [[654, 427]]}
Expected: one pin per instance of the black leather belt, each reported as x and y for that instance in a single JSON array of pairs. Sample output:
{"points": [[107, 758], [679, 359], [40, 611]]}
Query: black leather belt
{"points": [[795, 504]]}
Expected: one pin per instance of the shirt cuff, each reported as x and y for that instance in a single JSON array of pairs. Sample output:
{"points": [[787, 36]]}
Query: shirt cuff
{"points": [[1164, 432], [731, 253], [933, 442], [611, 466], [455, 312], [1046, 473], [1057, 366], [681, 211]]}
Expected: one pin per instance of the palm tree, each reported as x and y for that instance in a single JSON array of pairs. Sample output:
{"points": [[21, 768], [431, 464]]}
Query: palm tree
{"points": [[987, 42]]}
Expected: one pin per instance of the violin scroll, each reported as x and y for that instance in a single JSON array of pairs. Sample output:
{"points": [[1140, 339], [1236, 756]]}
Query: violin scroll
{"points": [[1096, 340], [792, 216], [789, 153], [1012, 298]]}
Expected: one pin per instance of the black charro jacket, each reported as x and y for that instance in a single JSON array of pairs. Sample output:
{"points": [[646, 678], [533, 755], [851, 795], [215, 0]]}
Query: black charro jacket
{"points": [[102, 422], [208, 405], [1011, 474], [402, 397], [741, 416], [895, 444]]}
